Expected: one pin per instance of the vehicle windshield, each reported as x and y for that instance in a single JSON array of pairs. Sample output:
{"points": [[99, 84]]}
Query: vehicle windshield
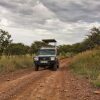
{"points": [[46, 52]]}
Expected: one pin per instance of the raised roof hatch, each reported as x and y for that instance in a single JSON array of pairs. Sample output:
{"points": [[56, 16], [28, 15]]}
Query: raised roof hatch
{"points": [[49, 40]]}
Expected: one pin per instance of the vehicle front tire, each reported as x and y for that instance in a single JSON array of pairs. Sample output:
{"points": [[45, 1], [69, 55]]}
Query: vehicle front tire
{"points": [[36, 68], [55, 67]]}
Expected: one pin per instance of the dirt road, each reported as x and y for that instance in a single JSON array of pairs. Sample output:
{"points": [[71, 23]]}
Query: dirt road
{"points": [[46, 85]]}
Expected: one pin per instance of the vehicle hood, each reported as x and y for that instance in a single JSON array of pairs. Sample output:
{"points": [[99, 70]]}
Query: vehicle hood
{"points": [[46, 56]]}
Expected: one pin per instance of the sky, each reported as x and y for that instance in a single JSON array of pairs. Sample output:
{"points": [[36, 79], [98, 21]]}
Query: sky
{"points": [[67, 21]]}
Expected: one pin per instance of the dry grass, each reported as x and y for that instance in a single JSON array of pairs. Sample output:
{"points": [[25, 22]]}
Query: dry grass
{"points": [[15, 63], [88, 64]]}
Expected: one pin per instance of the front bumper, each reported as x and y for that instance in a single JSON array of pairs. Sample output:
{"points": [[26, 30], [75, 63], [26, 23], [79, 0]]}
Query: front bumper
{"points": [[48, 63]]}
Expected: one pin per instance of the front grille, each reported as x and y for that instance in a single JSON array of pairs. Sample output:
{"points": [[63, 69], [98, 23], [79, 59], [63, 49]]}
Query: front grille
{"points": [[44, 58]]}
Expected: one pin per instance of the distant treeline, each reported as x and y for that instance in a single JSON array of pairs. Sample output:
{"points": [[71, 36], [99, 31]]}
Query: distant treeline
{"points": [[91, 41], [7, 47]]}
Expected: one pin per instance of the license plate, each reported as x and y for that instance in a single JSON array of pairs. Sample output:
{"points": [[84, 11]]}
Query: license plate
{"points": [[43, 61]]}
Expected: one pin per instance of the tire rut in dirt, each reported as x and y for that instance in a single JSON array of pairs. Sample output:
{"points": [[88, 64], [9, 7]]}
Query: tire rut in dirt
{"points": [[34, 91], [43, 89], [14, 75], [47, 88], [11, 88]]}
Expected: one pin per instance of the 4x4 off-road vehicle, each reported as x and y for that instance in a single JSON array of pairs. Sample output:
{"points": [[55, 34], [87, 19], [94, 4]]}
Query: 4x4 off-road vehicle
{"points": [[47, 56]]}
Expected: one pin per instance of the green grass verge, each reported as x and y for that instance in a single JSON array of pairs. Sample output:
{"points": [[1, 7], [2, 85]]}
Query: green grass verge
{"points": [[15, 63], [88, 65]]}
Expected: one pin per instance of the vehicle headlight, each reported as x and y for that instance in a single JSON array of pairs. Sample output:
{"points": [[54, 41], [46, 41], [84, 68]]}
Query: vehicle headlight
{"points": [[52, 58], [36, 58]]}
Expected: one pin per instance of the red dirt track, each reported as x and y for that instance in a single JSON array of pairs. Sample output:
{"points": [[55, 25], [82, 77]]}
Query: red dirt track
{"points": [[46, 85]]}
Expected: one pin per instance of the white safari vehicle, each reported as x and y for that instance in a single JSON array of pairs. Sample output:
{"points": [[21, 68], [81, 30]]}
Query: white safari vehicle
{"points": [[47, 56]]}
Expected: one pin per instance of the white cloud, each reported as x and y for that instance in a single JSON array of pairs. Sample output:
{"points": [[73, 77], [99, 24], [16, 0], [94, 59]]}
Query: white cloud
{"points": [[4, 22], [68, 21]]}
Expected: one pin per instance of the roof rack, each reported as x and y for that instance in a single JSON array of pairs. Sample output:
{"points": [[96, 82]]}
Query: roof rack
{"points": [[50, 41]]}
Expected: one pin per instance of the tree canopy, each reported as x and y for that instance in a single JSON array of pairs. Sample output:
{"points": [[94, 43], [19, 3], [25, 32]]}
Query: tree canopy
{"points": [[5, 40]]}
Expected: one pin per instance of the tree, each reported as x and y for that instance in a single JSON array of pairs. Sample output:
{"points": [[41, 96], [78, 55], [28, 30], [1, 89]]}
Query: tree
{"points": [[17, 49], [36, 45], [76, 48], [94, 36], [62, 49], [5, 40], [92, 39]]}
